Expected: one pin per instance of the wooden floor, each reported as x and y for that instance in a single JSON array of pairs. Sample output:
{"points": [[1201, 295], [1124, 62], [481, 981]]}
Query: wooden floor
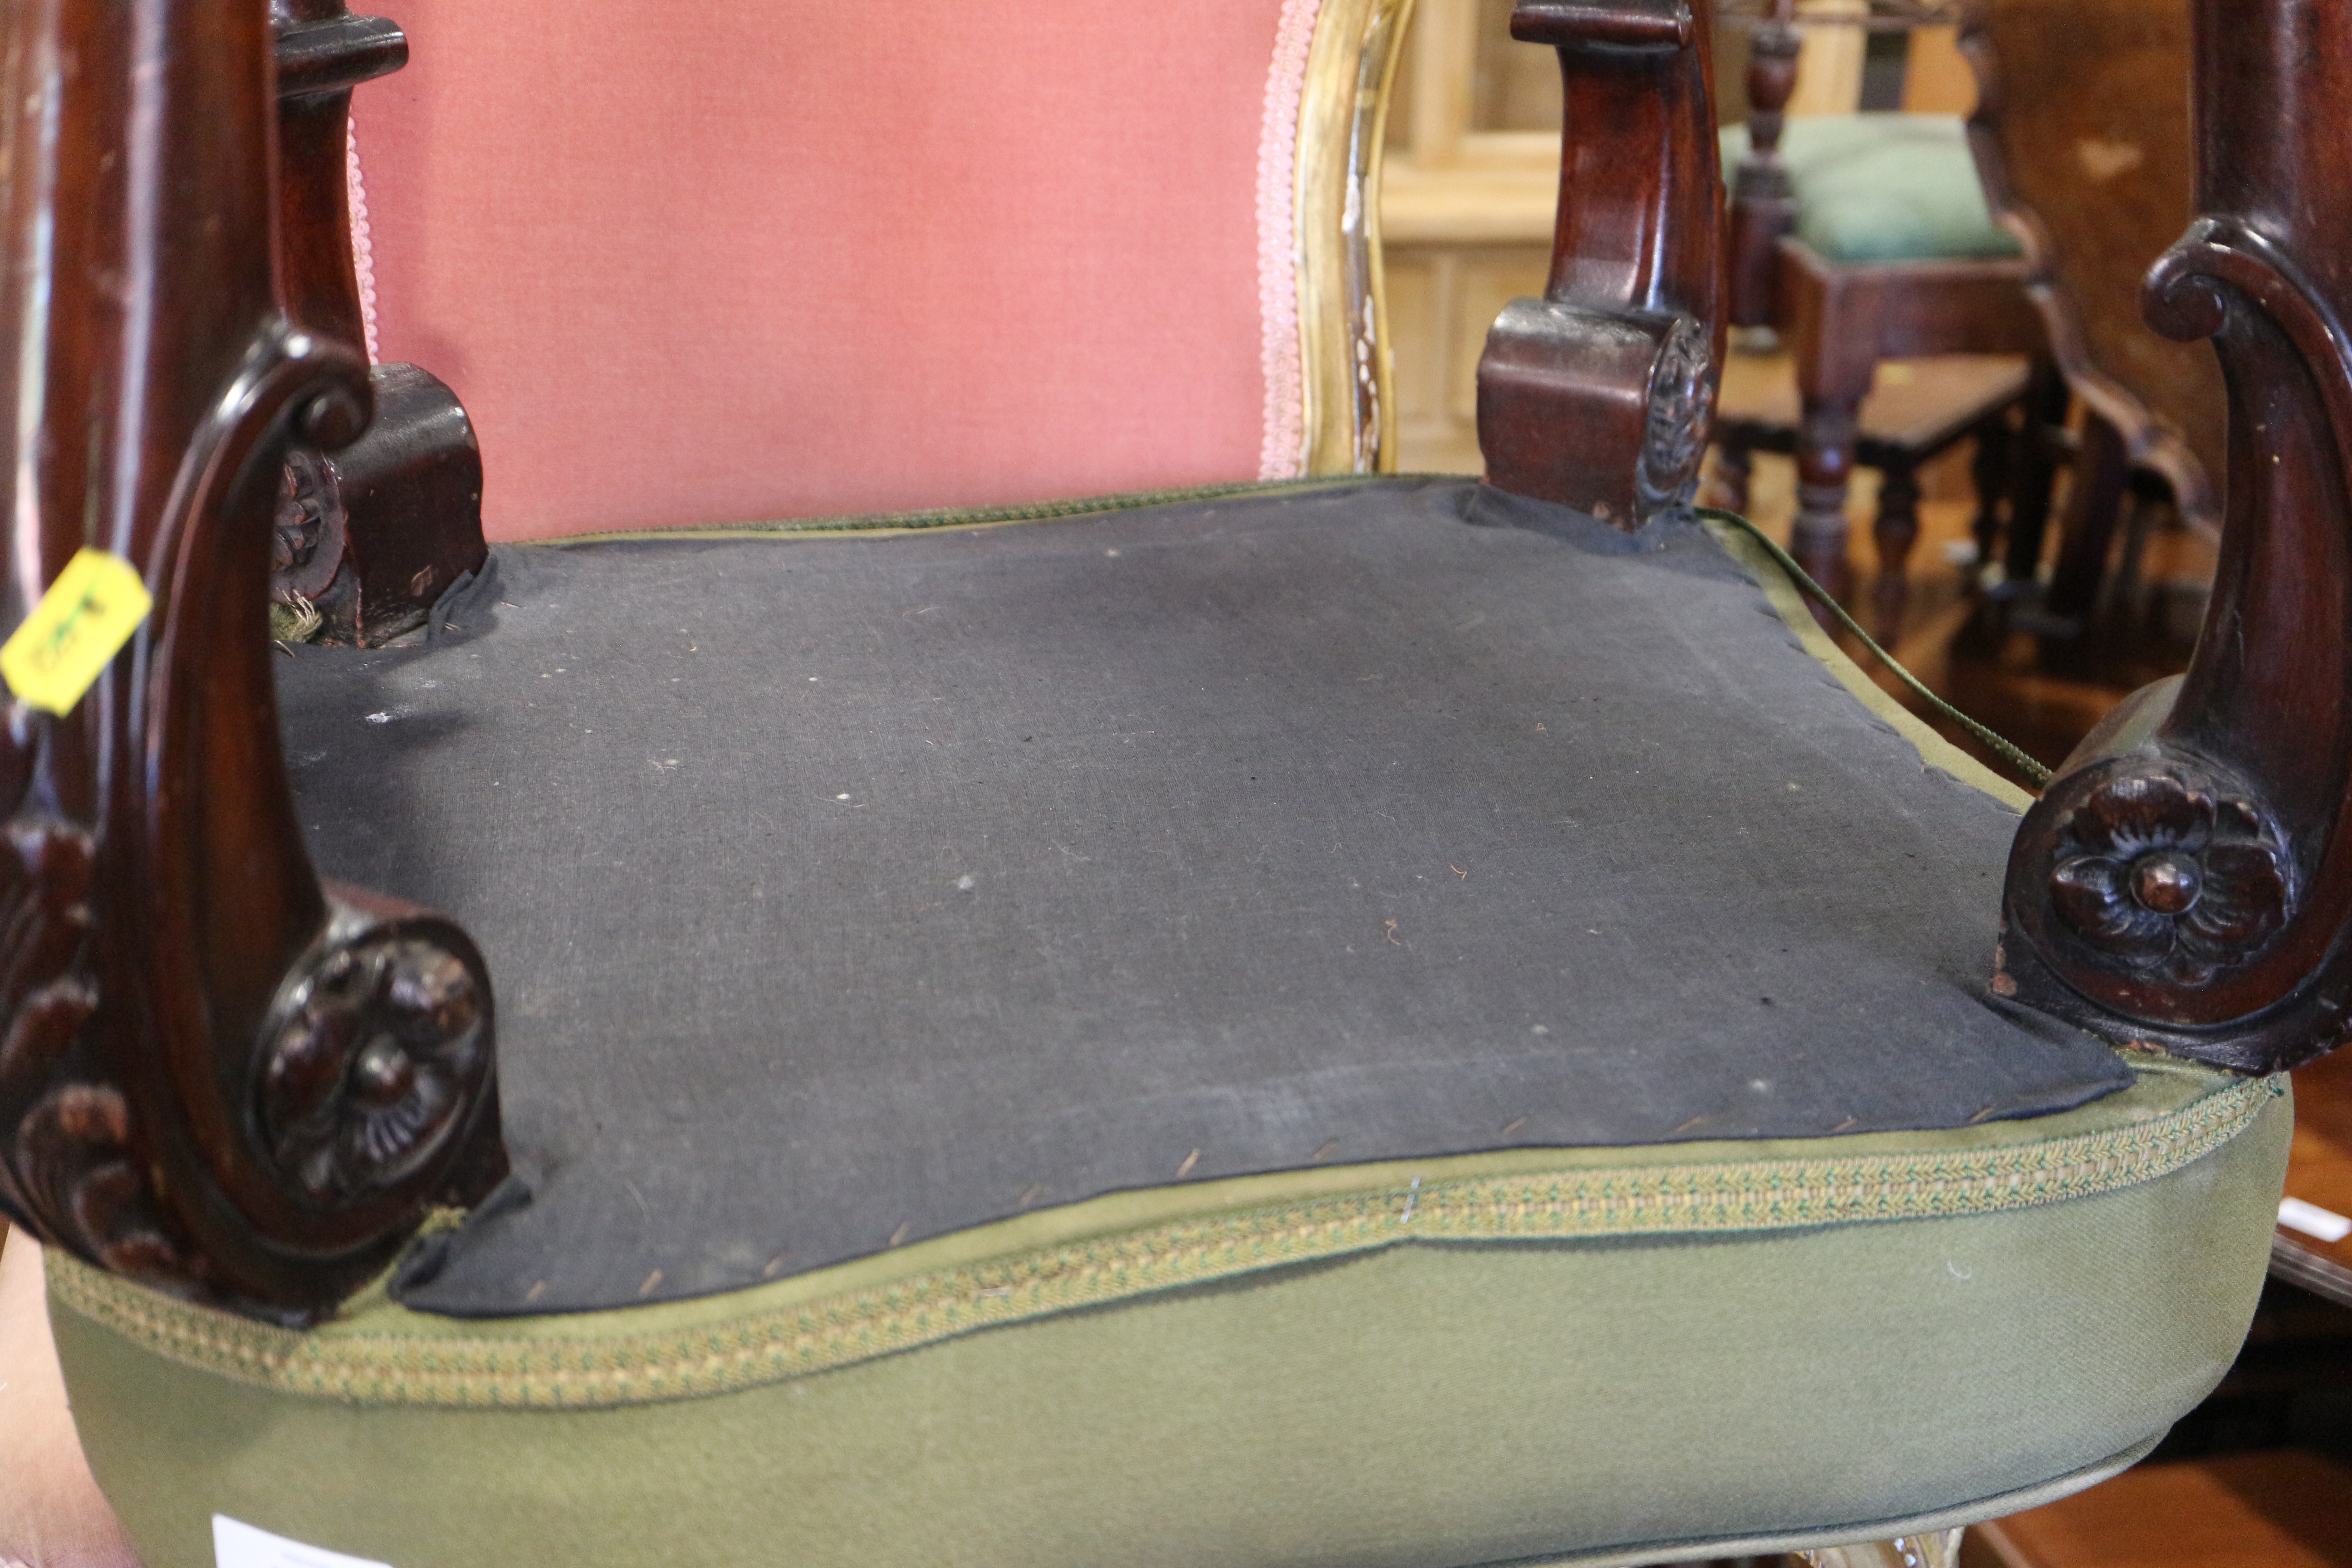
{"points": [[2281, 1509]]}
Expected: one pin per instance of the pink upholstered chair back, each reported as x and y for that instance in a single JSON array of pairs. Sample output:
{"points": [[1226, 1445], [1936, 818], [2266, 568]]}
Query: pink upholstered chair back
{"points": [[695, 266]]}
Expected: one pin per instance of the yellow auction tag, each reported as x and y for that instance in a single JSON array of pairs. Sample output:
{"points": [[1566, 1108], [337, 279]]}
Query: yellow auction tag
{"points": [[84, 619]]}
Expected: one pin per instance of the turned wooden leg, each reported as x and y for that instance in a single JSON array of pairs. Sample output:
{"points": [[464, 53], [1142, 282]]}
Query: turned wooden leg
{"points": [[2092, 508], [1734, 466], [1994, 473], [2034, 473], [1825, 446], [1895, 532], [1940, 1549]]}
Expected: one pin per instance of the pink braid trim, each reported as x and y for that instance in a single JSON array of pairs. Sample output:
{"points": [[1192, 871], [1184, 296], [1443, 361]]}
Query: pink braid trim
{"points": [[362, 247], [1277, 243]]}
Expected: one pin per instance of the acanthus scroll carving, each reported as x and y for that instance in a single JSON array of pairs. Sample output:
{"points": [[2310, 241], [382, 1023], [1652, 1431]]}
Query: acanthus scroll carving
{"points": [[378, 1049], [2168, 875], [72, 1175], [1682, 403], [306, 546]]}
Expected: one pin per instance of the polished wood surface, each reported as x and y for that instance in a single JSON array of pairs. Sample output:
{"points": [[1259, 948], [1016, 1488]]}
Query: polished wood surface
{"points": [[1763, 201], [2184, 883], [368, 536], [2278, 1509], [2319, 1174], [1916, 410], [225, 1079], [2083, 137], [1598, 394], [220, 1077], [323, 52]]}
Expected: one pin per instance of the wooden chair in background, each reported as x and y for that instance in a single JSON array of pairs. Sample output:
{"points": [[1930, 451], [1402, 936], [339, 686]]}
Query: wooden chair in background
{"points": [[1915, 412], [1862, 238], [999, 1052]]}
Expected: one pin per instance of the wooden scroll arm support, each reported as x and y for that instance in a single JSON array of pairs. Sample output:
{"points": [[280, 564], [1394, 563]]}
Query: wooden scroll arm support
{"points": [[216, 1076], [1598, 394], [2186, 881], [367, 537]]}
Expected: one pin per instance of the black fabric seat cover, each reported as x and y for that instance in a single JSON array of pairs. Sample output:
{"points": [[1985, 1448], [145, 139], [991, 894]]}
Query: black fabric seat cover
{"points": [[841, 892]]}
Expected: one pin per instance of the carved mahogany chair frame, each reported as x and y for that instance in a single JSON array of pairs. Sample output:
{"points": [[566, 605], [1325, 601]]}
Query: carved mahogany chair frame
{"points": [[2230, 781], [201, 1036]]}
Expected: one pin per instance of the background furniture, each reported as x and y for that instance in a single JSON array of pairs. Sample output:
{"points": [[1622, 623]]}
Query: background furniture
{"points": [[2087, 151], [1866, 238], [1915, 412], [871, 1233]]}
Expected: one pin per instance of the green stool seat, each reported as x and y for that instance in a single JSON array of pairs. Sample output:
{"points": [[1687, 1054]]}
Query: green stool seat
{"points": [[1885, 187]]}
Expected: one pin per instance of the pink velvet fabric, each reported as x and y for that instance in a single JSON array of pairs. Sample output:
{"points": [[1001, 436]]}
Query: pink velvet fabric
{"points": [[698, 266]]}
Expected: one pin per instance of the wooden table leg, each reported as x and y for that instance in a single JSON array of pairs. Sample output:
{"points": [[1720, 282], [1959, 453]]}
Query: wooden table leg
{"points": [[1825, 450], [2092, 509], [1994, 473], [1895, 532], [1735, 466]]}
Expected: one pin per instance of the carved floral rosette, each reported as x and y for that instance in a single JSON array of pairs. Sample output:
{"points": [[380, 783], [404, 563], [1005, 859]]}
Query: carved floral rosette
{"points": [[2169, 874], [2148, 893], [376, 1054]]}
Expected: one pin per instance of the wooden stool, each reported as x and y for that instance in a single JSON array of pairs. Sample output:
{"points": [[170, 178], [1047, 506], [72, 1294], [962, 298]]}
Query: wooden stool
{"points": [[1916, 409]]}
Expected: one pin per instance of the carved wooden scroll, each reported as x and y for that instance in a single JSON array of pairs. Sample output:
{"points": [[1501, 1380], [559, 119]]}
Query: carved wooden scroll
{"points": [[370, 536], [215, 1075], [2187, 880], [1598, 396]]}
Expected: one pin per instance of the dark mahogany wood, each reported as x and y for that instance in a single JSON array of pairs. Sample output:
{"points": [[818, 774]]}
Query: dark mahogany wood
{"points": [[370, 536], [1598, 394], [323, 52], [2081, 135], [2186, 881], [1763, 202], [1839, 319], [1946, 402], [219, 1076], [215, 1075]]}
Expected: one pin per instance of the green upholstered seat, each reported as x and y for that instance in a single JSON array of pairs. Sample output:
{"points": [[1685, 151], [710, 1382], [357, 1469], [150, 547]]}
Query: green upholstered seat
{"points": [[1885, 187], [1538, 1356], [1369, 1022]]}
